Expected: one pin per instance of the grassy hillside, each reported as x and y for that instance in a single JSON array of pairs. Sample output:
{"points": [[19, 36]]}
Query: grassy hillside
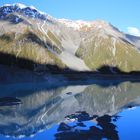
{"points": [[28, 46], [98, 52]]}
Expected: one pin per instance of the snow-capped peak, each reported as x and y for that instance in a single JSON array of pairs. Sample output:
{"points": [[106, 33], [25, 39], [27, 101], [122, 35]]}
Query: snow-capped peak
{"points": [[79, 24], [5, 5], [21, 6], [32, 7], [96, 25], [29, 11]]}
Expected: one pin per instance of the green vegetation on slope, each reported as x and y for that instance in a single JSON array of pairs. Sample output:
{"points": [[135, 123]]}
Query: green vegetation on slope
{"points": [[100, 52], [28, 46]]}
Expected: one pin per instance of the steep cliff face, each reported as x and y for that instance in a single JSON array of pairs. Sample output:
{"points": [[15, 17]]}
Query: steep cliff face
{"points": [[30, 37]]}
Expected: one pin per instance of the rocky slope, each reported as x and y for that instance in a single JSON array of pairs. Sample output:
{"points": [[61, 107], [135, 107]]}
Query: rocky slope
{"points": [[35, 40]]}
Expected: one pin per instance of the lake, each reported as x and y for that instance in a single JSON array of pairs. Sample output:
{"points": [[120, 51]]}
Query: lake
{"points": [[100, 109]]}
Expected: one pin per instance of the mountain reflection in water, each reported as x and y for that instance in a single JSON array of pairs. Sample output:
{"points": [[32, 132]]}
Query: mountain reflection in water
{"points": [[43, 108]]}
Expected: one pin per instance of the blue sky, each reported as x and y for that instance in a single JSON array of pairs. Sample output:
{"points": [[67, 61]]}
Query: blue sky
{"points": [[125, 14]]}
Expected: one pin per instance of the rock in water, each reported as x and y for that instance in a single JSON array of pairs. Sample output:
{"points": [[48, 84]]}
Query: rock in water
{"points": [[9, 101]]}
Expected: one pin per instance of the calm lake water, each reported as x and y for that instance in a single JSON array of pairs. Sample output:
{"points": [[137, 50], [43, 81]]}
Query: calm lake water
{"points": [[71, 112]]}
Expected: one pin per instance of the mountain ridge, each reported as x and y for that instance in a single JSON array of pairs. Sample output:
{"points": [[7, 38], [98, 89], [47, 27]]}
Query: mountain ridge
{"points": [[73, 43]]}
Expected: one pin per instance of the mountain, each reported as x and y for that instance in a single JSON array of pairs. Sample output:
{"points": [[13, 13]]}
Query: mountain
{"points": [[34, 40]]}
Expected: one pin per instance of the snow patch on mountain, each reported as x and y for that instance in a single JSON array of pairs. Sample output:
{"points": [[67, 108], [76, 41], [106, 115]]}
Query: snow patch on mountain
{"points": [[28, 11], [21, 6], [78, 24]]}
